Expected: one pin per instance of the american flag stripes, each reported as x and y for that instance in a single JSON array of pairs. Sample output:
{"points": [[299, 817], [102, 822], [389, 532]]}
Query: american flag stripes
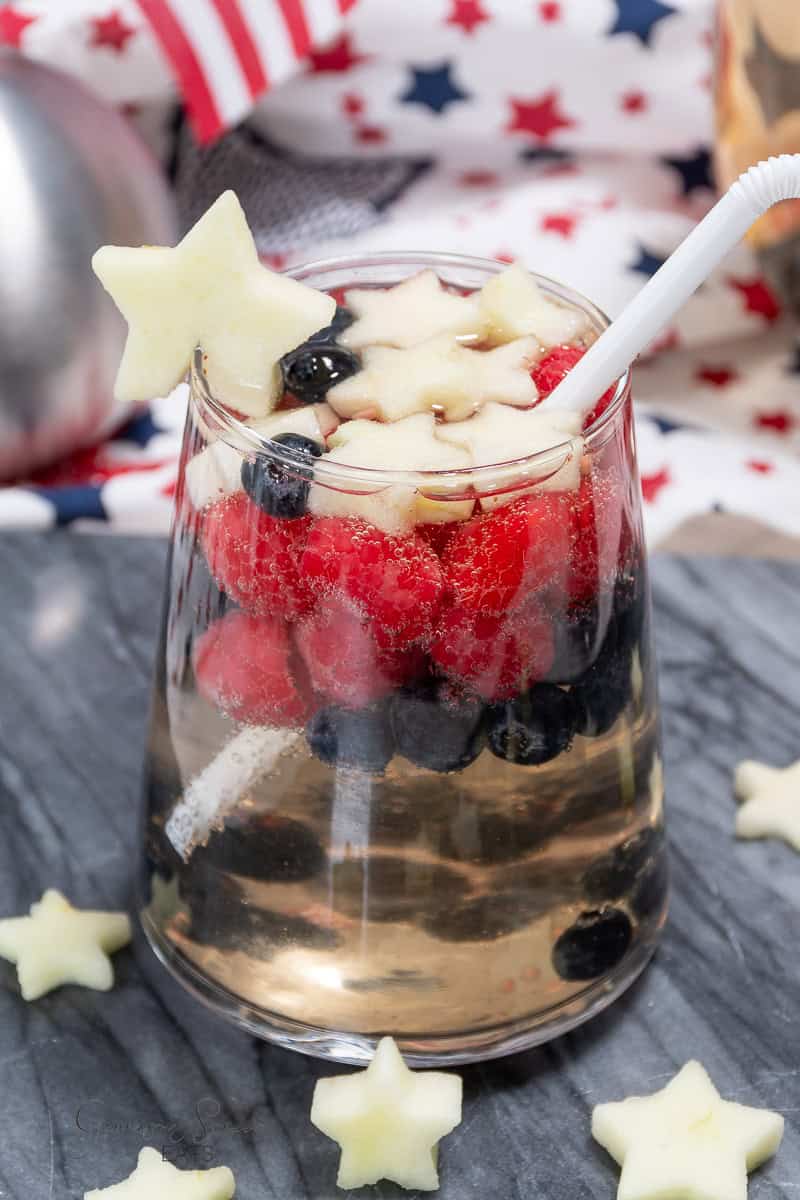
{"points": [[226, 53]]}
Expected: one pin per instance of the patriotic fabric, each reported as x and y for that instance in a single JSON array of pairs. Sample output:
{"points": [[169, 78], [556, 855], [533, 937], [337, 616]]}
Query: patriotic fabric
{"points": [[571, 134]]}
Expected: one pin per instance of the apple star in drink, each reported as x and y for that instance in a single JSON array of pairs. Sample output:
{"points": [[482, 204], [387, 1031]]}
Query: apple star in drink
{"points": [[403, 775]]}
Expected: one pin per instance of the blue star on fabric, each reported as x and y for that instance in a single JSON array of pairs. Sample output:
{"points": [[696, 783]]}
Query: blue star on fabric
{"points": [[646, 263], [639, 17], [665, 425], [695, 171], [82, 502], [139, 429], [434, 87]]}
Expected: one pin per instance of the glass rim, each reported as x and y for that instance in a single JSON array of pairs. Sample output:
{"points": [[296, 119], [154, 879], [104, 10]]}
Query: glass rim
{"points": [[538, 466]]}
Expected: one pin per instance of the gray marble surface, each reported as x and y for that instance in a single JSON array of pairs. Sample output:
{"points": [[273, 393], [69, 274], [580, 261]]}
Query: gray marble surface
{"points": [[86, 1078]]}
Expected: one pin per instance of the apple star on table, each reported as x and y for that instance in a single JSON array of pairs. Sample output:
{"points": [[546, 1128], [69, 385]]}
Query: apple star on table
{"points": [[157, 1179], [770, 802], [685, 1142], [388, 1120], [60, 944]]}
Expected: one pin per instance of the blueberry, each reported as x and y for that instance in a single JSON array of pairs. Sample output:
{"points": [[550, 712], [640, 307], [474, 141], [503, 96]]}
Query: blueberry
{"points": [[342, 319], [615, 874], [535, 727], [266, 847], [605, 689], [493, 838], [310, 371], [392, 888], [223, 916], [276, 487], [435, 732], [485, 918], [359, 739], [578, 638], [597, 941], [650, 893], [630, 606]]}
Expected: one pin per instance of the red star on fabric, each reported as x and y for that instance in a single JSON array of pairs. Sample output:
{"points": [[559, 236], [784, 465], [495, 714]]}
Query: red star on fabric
{"points": [[477, 178], [758, 298], [111, 31], [718, 377], [561, 223], [540, 117], [339, 56], [633, 102], [652, 484], [93, 465], [778, 421], [760, 467], [352, 104], [467, 14], [371, 135], [550, 10], [12, 26], [504, 256]]}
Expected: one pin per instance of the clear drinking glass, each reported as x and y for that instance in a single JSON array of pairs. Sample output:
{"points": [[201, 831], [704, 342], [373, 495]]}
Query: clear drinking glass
{"points": [[470, 867]]}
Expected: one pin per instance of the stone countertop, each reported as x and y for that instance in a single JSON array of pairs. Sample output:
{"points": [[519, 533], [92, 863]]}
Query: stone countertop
{"points": [[87, 1078]]}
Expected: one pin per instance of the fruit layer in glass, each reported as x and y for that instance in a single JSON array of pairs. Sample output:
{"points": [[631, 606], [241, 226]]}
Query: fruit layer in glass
{"points": [[403, 773]]}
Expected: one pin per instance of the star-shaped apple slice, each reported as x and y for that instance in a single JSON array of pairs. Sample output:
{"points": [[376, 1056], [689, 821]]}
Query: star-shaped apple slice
{"points": [[157, 1179], [439, 375], [60, 944], [415, 310], [216, 471], [499, 434], [388, 1120], [685, 1142], [770, 799], [410, 444], [514, 306], [210, 290]]}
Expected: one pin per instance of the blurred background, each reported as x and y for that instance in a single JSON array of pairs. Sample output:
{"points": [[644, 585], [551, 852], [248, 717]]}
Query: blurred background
{"points": [[583, 137]]}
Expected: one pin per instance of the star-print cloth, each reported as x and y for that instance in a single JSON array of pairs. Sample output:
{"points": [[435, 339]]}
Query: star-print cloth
{"points": [[571, 134]]}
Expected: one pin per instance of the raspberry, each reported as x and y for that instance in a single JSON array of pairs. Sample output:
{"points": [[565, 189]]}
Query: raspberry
{"points": [[596, 413], [596, 521], [548, 373], [583, 578], [551, 369], [255, 558], [243, 666], [437, 534], [497, 656], [396, 582], [344, 663], [492, 562], [403, 664]]}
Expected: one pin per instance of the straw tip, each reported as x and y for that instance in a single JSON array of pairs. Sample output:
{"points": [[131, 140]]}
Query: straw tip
{"points": [[770, 181]]}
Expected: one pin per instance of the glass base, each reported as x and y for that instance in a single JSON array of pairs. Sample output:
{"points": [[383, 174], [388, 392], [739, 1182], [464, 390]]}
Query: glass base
{"points": [[439, 1050]]}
